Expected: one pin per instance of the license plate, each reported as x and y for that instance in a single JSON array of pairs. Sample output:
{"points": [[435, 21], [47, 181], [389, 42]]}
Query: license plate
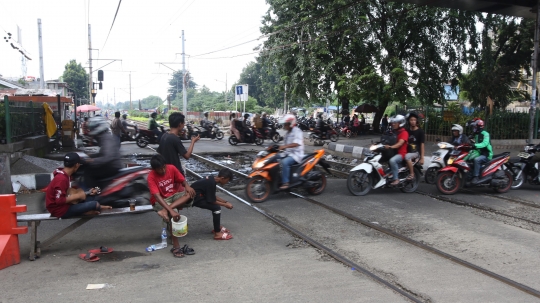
{"points": [[451, 160], [524, 155]]}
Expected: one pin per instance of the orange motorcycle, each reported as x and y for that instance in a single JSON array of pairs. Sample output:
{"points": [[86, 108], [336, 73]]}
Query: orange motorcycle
{"points": [[266, 175]]}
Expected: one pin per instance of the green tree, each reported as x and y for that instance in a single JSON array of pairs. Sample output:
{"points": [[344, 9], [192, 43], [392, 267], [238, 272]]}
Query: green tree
{"points": [[263, 81], [76, 78], [175, 88], [148, 102], [507, 47], [367, 51]]}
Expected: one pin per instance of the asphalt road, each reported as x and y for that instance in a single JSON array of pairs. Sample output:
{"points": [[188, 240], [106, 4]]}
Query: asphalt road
{"points": [[264, 263]]}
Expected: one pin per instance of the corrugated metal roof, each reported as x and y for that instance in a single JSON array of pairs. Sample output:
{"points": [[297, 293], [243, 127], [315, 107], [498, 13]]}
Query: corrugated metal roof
{"points": [[9, 84]]}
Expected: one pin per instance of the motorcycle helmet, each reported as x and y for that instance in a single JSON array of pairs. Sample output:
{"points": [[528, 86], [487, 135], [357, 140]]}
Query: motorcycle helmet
{"points": [[205, 114], [97, 125], [153, 115], [458, 128], [478, 126], [289, 119], [124, 116], [246, 116], [398, 119]]}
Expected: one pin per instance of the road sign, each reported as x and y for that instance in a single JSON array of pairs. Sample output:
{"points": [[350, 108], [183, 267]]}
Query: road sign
{"points": [[241, 93]]}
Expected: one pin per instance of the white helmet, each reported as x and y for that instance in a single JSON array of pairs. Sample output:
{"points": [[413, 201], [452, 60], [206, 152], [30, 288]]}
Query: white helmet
{"points": [[398, 119], [97, 125], [458, 128], [289, 119]]}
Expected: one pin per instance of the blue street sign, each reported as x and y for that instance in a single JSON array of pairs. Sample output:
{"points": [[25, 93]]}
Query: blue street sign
{"points": [[239, 90]]}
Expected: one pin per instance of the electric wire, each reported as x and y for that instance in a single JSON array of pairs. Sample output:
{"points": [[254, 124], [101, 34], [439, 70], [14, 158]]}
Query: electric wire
{"points": [[114, 19]]}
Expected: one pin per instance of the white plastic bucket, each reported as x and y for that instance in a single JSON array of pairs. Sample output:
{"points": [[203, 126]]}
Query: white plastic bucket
{"points": [[180, 228]]}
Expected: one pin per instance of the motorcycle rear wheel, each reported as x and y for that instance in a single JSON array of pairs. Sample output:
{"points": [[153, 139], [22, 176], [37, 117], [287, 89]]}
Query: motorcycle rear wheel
{"points": [[333, 137], [431, 175], [519, 181], [258, 189], [219, 135], [142, 142], [359, 183], [317, 190], [259, 141], [411, 187], [444, 183], [508, 186], [233, 140]]}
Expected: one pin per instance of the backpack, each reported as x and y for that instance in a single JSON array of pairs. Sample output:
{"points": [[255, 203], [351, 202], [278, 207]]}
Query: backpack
{"points": [[388, 138], [238, 124]]}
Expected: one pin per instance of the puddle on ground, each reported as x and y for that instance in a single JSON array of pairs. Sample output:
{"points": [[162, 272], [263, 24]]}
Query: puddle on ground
{"points": [[120, 256], [142, 267]]}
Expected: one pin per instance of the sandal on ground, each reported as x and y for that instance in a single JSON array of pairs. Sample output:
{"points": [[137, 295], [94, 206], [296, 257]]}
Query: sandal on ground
{"points": [[188, 250], [177, 252], [410, 178], [101, 250], [223, 230], [225, 236], [89, 257], [284, 186]]}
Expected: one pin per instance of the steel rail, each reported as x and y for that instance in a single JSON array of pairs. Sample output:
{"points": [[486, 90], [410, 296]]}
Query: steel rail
{"points": [[389, 232], [338, 257]]}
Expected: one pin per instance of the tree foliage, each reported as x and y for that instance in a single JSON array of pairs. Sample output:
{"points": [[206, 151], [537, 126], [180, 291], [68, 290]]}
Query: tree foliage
{"points": [[367, 51], [76, 78], [264, 83], [175, 83], [506, 50]]}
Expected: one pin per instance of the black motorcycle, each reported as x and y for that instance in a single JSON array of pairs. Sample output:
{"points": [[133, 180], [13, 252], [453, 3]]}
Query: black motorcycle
{"points": [[145, 137], [271, 133], [523, 169], [126, 137], [212, 132]]}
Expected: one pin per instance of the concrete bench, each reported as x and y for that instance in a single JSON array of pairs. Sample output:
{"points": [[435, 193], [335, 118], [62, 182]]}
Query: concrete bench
{"points": [[34, 220]]}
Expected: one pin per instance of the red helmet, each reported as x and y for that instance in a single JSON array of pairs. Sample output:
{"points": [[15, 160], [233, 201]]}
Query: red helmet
{"points": [[478, 125]]}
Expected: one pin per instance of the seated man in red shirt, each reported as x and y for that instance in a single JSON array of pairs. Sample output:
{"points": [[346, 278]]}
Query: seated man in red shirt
{"points": [[169, 188], [63, 201], [397, 124]]}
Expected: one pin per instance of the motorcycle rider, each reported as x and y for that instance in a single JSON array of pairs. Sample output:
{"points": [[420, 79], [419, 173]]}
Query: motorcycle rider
{"points": [[265, 121], [416, 143], [321, 125], [458, 137], [107, 162], [397, 123], [206, 124], [483, 145], [246, 128], [293, 146], [84, 126], [234, 128], [125, 123], [154, 127]]}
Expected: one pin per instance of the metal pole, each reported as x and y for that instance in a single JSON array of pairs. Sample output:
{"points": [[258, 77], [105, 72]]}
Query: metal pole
{"points": [[129, 92], [8, 120], [90, 84], [5, 187], [41, 76], [285, 101], [532, 109], [225, 88], [32, 122], [184, 95], [59, 110]]}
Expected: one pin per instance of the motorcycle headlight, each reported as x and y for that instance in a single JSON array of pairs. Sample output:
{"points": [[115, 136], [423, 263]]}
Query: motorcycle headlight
{"points": [[442, 145], [259, 164]]}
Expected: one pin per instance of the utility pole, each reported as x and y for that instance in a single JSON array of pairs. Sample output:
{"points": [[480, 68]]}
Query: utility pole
{"points": [[184, 95], [285, 101], [130, 91], [90, 82], [225, 88], [41, 76], [532, 110]]}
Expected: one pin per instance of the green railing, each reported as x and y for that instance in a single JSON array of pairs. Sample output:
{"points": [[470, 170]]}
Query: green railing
{"points": [[19, 120]]}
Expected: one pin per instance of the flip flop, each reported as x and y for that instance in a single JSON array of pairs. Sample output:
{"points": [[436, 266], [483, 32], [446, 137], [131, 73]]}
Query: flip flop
{"points": [[223, 230], [101, 250], [177, 252], [89, 257], [410, 178], [225, 236], [188, 250]]}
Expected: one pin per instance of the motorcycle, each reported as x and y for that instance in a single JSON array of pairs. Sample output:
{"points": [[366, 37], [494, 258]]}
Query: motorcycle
{"points": [[270, 132], [256, 137], [439, 159], [126, 137], [266, 175], [204, 133], [522, 169], [458, 172], [318, 137], [372, 175], [117, 191], [145, 137]]}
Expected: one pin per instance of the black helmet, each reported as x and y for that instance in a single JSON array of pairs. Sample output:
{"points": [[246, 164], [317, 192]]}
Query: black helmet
{"points": [[153, 115], [124, 116], [246, 116]]}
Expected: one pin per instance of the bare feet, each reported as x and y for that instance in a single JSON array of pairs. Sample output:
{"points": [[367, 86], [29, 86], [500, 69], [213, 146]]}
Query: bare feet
{"points": [[105, 207], [163, 213], [91, 213]]}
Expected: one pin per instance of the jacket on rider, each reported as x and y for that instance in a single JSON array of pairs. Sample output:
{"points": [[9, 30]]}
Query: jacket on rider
{"points": [[483, 144]]}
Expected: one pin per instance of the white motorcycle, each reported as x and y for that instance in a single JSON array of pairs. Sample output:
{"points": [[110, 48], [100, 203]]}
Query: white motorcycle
{"points": [[372, 175], [438, 161]]}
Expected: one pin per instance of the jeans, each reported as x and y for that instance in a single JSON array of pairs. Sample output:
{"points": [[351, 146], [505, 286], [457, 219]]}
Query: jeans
{"points": [[158, 134], [394, 162], [478, 161], [79, 209], [286, 164]]}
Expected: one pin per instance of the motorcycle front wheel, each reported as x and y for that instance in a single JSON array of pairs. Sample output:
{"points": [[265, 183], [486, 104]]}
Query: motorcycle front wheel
{"points": [[359, 183], [445, 184], [259, 141], [142, 142], [431, 175], [219, 135], [275, 138], [258, 189], [233, 140], [518, 182], [333, 137]]}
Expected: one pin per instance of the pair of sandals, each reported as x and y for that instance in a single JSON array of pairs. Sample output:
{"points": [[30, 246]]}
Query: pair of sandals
{"points": [[226, 234], [91, 255], [180, 252]]}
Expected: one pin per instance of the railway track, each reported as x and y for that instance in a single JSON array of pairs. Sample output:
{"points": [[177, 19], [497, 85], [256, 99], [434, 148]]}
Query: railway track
{"points": [[368, 224]]}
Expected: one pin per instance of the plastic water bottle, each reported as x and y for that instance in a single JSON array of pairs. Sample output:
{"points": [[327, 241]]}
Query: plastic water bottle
{"points": [[151, 248], [164, 237]]}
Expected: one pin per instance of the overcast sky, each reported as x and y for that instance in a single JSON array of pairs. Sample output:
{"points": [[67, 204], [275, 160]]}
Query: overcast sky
{"points": [[144, 33]]}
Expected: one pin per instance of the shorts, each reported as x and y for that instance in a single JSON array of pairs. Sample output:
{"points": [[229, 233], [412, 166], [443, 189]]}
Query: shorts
{"points": [[410, 156], [169, 200]]}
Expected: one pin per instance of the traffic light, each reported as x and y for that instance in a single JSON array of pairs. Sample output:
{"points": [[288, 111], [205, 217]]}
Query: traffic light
{"points": [[100, 75]]}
